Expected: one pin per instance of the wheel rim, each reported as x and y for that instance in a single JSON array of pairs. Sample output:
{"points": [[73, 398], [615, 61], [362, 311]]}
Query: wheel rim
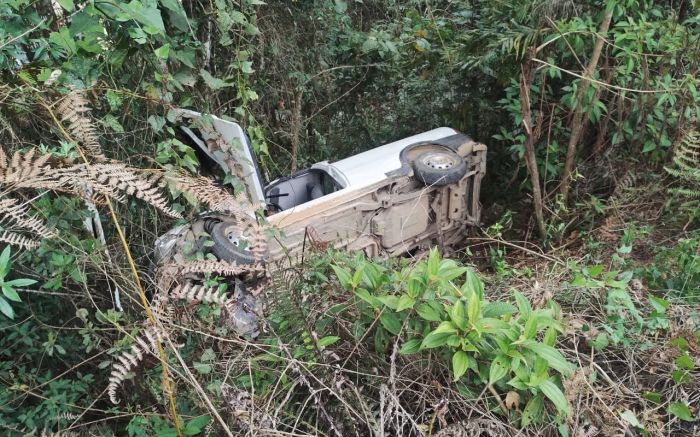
{"points": [[236, 239], [439, 161]]}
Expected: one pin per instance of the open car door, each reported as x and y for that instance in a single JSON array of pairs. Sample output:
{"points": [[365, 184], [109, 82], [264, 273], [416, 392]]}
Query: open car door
{"points": [[225, 143]]}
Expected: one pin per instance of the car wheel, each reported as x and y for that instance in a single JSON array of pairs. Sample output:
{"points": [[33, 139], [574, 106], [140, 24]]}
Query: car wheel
{"points": [[230, 244], [439, 167]]}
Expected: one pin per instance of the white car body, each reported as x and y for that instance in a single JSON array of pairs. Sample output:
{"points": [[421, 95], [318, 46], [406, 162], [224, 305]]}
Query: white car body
{"points": [[371, 201]]}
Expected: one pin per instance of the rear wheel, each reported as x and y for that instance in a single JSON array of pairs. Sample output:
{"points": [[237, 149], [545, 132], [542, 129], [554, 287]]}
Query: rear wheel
{"points": [[439, 167]]}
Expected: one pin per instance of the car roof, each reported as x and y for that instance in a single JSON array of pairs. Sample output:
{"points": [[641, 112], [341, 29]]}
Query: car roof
{"points": [[372, 166]]}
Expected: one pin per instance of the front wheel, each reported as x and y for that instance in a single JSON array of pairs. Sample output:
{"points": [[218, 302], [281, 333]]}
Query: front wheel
{"points": [[439, 167], [230, 244]]}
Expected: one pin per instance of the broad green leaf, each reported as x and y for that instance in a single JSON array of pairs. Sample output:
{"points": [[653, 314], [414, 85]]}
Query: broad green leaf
{"points": [[391, 322], [343, 276], [681, 411], [163, 51], [629, 417], [458, 314], [555, 395], [410, 347], [20, 282], [364, 295], [460, 364], [491, 325], [202, 368], [653, 397], [498, 309], [67, 5], [327, 341], [553, 357], [5, 261], [405, 302], [196, 426], [532, 411], [433, 262], [6, 309], [524, 306], [473, 285], [439, 336], [10, 293], [212, 82], [474, 309], [389, 300], [427, 312], [148, 16], [499, 368]]}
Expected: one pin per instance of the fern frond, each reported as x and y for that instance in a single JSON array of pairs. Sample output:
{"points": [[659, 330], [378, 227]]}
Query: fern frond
{"points": [[75, 112], [19, 218], [15, 239], [224, 268], [198, 293], [205, 191], [686, 158], [146, 343], [115, 179]]}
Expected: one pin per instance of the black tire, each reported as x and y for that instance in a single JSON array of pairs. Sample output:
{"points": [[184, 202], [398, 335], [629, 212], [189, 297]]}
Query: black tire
{"points": [[439, 167], [227, 239]]}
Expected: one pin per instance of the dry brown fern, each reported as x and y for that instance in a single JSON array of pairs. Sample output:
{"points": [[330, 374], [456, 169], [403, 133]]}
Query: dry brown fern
{"points": [[16, 217], [145, 343], [115, 180], [75, 112], [224, 268], [205, 191], [198, 293]]}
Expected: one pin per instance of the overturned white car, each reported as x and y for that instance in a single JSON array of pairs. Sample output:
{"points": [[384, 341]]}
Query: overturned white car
{"points": [[402, 197]]}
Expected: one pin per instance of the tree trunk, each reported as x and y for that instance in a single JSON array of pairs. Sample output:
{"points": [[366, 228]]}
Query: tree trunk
{"points": [[296, 129], [530, 159], [577, 120]]}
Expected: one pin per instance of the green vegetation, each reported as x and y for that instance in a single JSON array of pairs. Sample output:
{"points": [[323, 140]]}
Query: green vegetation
{"points": [[572, 311]]}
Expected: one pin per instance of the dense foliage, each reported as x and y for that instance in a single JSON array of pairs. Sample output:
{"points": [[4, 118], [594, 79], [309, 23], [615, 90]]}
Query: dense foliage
{"points": [[590, 110]]}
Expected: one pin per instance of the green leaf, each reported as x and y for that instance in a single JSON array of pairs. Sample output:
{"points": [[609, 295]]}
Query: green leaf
{"points": [[629, 417], [524, 306], [148, 16], [405, 302], [364, 295], [390, 322], [212, 82], [343, 276], [20, 282], [458, 314], [6, 309], [202, 368], [427, 312], [652, 396], [439, 336], [410, 347], [474, 309], [67, 5], [389, 300], [532, 411], [553, 357], [555, 395], [433, 262], [163, 51], [499, 368], [681, 411], [498, 309], [10, 293], [5, 261], [196, 425], [460, 364], [473, 284], [327, 341]]}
